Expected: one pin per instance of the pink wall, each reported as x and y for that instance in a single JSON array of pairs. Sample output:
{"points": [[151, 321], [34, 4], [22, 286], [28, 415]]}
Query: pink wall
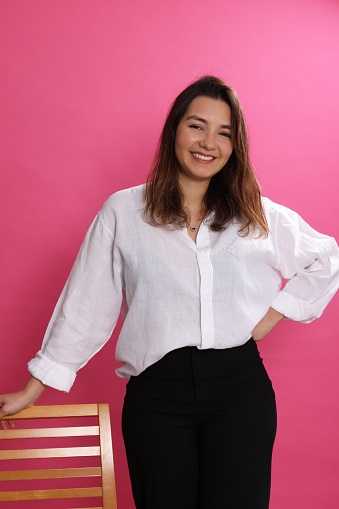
{"points": [[85, 86]]}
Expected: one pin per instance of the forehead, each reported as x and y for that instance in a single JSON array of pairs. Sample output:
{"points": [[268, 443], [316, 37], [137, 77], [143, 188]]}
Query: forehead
{"points": [[210, 109]]}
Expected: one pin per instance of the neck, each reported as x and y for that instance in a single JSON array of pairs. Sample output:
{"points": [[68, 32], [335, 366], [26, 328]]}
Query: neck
{"points": [[194, 193]]}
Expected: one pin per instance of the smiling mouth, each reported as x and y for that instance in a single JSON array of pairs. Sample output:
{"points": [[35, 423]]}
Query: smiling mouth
{"points": [[201, 157]]}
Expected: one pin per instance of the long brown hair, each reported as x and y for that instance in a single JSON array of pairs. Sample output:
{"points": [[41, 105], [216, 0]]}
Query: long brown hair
{"points": [[233, 192]]}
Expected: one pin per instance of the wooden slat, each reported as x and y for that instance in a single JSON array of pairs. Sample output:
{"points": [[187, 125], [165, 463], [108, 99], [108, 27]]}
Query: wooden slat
{"points": [[78, 431], [56, 411], [7, 496], [62, 452], [52, 473], [108, 480], [45, 412]]}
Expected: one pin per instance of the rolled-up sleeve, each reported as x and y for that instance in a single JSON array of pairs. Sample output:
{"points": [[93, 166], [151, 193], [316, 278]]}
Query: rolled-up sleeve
{"points": [[309, 261], [86, 313]]}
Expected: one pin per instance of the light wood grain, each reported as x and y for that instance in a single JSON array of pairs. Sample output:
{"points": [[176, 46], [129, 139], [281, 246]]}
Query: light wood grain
{"points": [[108, 479], [79, 431], [52, 411], [107, 492], [54, 452], [7, 496], [52, 473]]}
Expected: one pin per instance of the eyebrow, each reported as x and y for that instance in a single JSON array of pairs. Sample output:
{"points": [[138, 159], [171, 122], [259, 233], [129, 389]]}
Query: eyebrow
{"points": [[195, 117]]}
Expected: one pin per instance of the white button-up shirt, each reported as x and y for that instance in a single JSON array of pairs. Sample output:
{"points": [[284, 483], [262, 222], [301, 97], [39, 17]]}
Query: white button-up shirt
{"points": [[173, 293]]}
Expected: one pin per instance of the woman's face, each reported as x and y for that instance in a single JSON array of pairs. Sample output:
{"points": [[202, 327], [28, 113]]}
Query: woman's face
{"points": [[203, 139]]}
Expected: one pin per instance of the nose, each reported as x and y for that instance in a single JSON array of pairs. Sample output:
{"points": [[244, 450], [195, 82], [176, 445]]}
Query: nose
{"points": [[207, 141]]}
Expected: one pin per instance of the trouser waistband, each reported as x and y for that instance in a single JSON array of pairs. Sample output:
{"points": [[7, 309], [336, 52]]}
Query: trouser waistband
{"points": [[188, 377]]}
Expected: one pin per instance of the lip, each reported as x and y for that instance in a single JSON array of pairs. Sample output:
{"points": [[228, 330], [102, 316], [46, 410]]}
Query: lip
{"points": [[201, 160]]}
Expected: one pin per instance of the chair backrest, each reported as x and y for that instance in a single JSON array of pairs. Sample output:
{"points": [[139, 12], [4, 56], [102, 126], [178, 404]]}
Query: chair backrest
{"points": [[103, 450]]}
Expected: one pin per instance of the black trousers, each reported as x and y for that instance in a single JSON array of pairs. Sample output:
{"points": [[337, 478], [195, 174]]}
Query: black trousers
{"points": [[199, 428]]}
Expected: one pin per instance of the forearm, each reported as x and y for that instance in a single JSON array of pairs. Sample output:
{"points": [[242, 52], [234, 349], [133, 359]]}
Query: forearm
{"points": [[266, 324], [33, 390]]}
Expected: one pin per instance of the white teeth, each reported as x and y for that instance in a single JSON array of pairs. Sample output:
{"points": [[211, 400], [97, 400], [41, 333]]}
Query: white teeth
{"points": [[204, 158]]}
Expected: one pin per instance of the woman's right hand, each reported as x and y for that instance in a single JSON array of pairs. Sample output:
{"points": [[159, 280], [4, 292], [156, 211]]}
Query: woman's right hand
{"points": [[16, 401]]}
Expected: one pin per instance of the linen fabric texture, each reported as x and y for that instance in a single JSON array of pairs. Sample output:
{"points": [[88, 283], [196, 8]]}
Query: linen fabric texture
{"points": [[174, 293]]}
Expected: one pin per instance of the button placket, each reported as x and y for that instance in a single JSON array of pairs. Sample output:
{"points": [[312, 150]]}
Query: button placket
{"points": [[206, 286]]}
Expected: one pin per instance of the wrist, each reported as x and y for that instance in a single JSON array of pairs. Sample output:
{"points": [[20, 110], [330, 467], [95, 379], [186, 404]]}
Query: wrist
{"points": [[33, 390]]}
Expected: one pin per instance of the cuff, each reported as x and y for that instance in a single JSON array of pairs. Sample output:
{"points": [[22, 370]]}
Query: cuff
{"points": [[50, 373], [293, 308]]}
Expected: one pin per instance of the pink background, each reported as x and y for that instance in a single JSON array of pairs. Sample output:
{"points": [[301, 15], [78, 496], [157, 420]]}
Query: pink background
{"points": [[85, 86]]}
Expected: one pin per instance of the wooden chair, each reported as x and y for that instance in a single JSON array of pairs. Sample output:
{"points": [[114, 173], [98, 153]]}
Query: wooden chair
{"points": [[104, 451]]}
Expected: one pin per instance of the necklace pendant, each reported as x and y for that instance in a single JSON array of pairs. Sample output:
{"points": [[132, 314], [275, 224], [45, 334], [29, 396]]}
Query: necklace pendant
{"points": [[193, 228]]}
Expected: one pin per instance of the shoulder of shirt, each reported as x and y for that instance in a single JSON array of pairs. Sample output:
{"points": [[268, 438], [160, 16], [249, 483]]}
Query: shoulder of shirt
{"points": [[122, 203], [279, 215], [132, 197], [271, 208], [125, 196]]}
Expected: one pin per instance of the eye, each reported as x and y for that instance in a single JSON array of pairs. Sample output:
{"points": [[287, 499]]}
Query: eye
{"points": [[195, 126], [226, 135]]}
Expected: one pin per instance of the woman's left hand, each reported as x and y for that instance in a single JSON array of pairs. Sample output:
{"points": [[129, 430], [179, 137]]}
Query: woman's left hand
{"points": [[266, 324]]}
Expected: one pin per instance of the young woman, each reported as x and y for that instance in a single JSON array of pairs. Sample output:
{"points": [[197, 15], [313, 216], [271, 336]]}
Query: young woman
{"points": [[194, 260]]}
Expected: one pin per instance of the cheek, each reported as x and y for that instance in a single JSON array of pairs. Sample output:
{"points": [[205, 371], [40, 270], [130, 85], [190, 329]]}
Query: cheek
{"points": [[177, 143], [182, 143], [185, 138], [228, 152], [177, 149]]}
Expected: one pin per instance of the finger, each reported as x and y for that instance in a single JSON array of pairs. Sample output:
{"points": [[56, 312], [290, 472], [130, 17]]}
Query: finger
{"points": [[3, 424]]}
